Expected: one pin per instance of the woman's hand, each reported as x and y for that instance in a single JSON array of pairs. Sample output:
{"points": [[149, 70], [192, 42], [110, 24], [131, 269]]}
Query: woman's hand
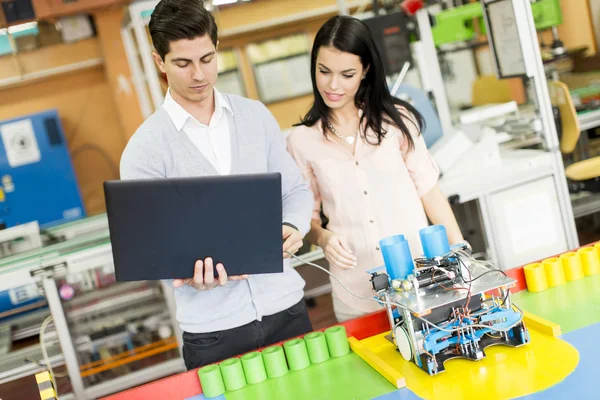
{"points": [[337, 250]]}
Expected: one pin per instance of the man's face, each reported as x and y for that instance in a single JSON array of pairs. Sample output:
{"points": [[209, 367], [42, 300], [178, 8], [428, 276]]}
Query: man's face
{"points": [[191, 68]]}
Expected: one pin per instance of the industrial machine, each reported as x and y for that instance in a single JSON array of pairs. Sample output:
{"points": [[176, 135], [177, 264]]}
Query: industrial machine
{"points": [[444, 305], [62, 310], [37, 181], [457, 24]]}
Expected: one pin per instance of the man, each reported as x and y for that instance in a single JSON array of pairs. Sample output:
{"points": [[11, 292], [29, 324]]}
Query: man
{"points": [[199, 131]]}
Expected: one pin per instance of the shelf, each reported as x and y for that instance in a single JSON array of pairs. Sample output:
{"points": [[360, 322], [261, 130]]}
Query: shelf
{"points": [[45, 62], [17, 364], [585, 204], [54, 9], [49, 73], [589, 119]]}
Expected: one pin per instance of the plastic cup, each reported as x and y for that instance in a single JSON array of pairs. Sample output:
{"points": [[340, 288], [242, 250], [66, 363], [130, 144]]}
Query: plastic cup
{"points": [[297, 354], [274, 359], [233, 374], [572, 266], [434, 241], [535, 276], [211, 381], [397, 257], [590, 260], [555, 274], [337, 341], [316, 343], [254, 367]]}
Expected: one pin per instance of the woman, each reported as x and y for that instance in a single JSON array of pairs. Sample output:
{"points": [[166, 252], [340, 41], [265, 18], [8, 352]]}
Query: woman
{"points": [[368, 166]]}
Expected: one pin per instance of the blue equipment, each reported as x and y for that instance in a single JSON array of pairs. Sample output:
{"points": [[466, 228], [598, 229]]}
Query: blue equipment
{"points": [[20, 300], [37, 181]]}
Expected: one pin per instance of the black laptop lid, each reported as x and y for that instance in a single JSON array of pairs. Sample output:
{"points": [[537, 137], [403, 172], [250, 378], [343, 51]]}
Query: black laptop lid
{"points": [[160, 227]]}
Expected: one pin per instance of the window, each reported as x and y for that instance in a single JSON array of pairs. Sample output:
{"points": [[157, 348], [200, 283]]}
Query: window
{"points": [[281, 67], [230, 79]]}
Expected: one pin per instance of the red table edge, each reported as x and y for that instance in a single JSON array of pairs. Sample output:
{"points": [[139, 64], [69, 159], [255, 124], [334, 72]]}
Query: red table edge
{"points": [[187, 384]]}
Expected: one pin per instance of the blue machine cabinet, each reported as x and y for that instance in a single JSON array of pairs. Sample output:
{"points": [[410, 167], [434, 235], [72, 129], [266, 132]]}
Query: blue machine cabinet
{"points": [[37, 180]]}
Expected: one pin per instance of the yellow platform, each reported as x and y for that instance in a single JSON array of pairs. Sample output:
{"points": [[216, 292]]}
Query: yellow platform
{"points": [[506, 372]]}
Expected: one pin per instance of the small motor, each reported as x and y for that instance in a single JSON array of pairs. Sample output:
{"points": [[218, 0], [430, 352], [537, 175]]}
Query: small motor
{"points": [[380, 282]]}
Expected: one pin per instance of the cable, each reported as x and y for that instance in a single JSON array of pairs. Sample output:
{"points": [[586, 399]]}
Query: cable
{"points": [[103, 153], [404, 307], [44, 350], [485, 273], [45, 353], [333, 276], [81, 116]]}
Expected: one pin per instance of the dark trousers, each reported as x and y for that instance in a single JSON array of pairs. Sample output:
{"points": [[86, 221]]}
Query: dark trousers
{"points": [[201, 349]]}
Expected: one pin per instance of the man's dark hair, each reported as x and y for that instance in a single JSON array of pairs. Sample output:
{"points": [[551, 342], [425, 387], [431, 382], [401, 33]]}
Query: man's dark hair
{"points": [[174, 20]]}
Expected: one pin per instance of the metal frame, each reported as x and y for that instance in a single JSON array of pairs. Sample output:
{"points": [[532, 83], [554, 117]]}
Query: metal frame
{"points": [[535, 72], [172, 306], [138, 24], [431, 70], [137, 74], [64, 337]]}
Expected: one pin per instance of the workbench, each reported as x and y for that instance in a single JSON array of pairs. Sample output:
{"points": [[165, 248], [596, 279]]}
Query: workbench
{"points": [[572, 311]]}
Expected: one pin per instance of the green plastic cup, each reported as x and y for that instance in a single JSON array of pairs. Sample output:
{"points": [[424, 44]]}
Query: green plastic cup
{"points": [[233, 374], [254, 368], [274, 360], [211, 381], [337, 341], [317, 347], [296, 353]]}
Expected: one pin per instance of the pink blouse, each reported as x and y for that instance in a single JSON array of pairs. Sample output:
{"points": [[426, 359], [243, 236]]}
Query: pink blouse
{"points": [[368, 196]]}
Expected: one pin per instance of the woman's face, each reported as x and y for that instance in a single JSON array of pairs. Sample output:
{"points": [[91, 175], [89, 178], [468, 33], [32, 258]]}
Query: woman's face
{"points": [[338, 76]]}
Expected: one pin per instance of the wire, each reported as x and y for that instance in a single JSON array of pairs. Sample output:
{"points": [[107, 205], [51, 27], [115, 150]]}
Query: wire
{"points": [[112, 165], [81, 117], [45, 353], [44, 350], [380, 301], [334, 277], [485, 273]]}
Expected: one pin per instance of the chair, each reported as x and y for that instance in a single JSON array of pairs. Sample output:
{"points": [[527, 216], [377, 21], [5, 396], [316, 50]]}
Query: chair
{"points": [[488, 89], [582, 175]]}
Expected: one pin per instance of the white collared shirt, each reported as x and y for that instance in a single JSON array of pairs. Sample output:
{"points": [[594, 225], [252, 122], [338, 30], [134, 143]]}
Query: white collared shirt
{"points": [[213, 140]]}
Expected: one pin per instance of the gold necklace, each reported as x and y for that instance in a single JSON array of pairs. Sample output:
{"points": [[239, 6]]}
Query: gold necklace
{"points": [[347, 139]]}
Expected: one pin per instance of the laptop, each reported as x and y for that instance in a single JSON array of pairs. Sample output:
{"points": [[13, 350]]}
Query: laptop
{"points": [[160, 227]]}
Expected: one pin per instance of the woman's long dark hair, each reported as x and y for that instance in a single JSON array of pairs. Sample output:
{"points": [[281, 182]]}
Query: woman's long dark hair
{"points": [[350, 35]]}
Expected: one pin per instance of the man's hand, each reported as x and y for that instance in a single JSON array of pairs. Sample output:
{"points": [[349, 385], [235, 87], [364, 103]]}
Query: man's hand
{"points": [[204, 276], [292, 241]]}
